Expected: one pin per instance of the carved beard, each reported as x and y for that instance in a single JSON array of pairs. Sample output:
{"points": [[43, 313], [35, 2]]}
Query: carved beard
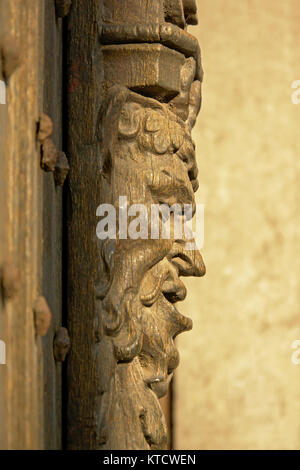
{"points": [[135, 409], [136, 365], [137, 321], [161, 323], [125, 397]]}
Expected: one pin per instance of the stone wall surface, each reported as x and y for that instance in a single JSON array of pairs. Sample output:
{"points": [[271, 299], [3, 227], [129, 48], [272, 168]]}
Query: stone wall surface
{"points": [[237, 387]]}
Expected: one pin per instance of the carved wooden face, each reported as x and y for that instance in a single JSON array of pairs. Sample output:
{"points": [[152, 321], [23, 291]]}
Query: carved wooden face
{"points": [[160, 290], [155, 153], [152, 162]]}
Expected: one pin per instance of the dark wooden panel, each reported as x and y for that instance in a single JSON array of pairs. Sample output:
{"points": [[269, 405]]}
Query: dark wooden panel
{"points": [[52, 226]]}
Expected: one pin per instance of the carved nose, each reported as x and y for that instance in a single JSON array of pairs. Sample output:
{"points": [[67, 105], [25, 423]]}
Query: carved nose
{"points": [[188, 262]]}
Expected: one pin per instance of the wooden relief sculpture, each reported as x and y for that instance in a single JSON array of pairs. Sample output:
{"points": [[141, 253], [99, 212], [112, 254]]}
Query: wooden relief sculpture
{"points": [[139, 77]]}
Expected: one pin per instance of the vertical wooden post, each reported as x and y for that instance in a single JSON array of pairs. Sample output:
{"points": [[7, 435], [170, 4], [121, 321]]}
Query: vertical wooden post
{"points": [[21, 384], [134, 92]]}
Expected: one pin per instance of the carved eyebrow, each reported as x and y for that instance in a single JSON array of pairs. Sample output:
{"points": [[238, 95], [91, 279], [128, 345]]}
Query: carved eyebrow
{"points": [[164, 197]]}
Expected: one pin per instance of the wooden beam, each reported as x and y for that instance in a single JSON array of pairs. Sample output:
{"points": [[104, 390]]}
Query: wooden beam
{"points": [[133, 100]]}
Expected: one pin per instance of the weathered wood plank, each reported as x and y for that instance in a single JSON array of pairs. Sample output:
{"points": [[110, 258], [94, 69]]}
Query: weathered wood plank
{"points": [[30, 226], [52, 219]]}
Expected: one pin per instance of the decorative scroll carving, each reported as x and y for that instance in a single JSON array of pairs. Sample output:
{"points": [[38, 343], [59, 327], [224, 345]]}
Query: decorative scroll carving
{"points": [[150, 96]]}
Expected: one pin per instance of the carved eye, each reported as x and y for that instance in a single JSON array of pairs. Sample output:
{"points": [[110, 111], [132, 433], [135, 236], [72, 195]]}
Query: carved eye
{"points": [[130, 119], [154, 122], [161, 141], [157, 124], [177, 136]]}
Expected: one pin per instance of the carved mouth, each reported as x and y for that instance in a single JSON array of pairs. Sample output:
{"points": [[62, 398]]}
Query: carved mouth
{"points": [[163, 347], [180, 322], [160, 385], [160, 292], [170, 356]]}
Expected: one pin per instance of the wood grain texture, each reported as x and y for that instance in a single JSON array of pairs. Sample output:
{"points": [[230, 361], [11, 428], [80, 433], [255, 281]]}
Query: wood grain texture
{"points": [[22, 392], [30, 225], [52, 222]]}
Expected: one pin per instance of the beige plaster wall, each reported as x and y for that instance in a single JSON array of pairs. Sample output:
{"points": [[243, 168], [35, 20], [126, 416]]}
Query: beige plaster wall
{"points": [[236, 387]]}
